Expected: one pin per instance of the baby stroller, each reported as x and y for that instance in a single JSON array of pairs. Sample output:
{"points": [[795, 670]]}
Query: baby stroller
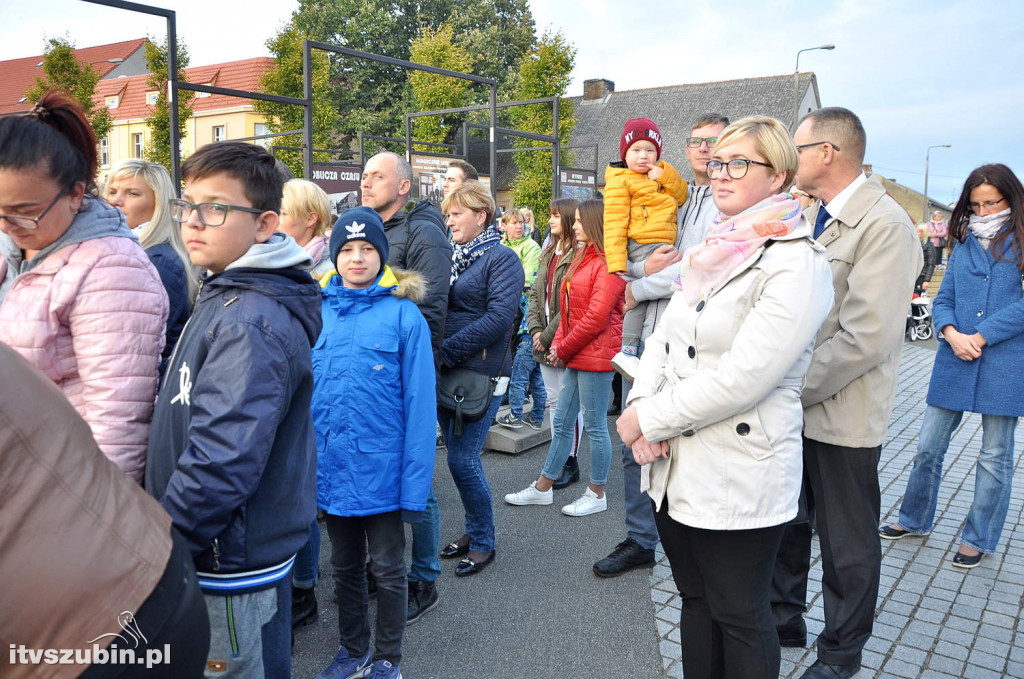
{"points": [[919, 319]]}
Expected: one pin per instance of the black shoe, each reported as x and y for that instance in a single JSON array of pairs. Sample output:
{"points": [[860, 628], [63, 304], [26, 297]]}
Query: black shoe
{"points": [[626, 556], [455, 549], [422, 598], [469, 566], [820, 670], [304, 607], [793, 635], [890, 532], [570, 474], [371, 581], [961, 560]]}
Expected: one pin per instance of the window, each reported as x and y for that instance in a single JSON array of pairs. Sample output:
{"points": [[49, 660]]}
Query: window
{"points": [[151, 98], [105, 151], [111, 102], [137, 145], [218, 133], [262, 128]]}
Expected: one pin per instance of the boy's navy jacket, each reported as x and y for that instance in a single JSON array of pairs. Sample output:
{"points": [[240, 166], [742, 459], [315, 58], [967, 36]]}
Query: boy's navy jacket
{"points": [[374, 401], [231, 450]]}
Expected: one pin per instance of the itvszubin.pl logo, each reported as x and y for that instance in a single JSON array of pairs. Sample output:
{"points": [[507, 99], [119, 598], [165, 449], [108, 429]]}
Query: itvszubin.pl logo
{"points": [[128, 653]]}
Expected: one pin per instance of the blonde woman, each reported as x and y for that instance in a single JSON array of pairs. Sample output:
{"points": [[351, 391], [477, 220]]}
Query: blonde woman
{"points": [[141, 190], [305, 214]]}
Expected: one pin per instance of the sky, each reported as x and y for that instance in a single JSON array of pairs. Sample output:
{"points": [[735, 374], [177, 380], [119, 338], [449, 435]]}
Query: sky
{"points": [[919, 73]]}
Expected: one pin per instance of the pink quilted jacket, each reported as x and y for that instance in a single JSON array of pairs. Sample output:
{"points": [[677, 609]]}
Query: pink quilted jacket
{"points": [[92, 316]]}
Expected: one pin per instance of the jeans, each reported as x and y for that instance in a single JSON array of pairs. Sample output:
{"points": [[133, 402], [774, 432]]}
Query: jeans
{"points": [[305, 572], [553, 384], [425, 564], [384, 537], [468, 473], [525, 369], [591, 390], [993, 477]]}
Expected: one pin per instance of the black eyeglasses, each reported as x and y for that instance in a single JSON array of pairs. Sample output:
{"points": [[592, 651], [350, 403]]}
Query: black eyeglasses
{"points": [[210, 214], [801, 147], [737, 167], [987, 205], [32, 223], [695, 142]]}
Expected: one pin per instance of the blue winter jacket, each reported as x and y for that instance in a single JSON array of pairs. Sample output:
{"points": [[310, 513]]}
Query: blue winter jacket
{"points": [[482, 307], [980, 294], [173, 276], [374, 398]]}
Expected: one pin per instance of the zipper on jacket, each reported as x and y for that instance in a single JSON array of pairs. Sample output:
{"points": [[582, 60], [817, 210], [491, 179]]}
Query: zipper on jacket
{"points": [[216, 555]]}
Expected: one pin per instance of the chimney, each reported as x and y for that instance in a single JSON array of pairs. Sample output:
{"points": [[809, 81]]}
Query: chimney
{"points": [[597, 88]]}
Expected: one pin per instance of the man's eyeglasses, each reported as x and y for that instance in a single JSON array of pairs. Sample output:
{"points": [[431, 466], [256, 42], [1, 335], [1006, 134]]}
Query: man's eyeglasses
{"points": [[210, 214], [737, 167], [32, 223], [695, 142], [801, 147], [987, 205]]}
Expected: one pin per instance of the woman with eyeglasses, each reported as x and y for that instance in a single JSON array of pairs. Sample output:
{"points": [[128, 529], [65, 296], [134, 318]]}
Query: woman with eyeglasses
{"points": [[85, 306], [714, 416], [979, 367]]}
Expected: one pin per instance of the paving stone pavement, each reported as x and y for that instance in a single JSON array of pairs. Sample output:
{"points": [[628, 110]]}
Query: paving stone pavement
{"points": [[932, 621]]}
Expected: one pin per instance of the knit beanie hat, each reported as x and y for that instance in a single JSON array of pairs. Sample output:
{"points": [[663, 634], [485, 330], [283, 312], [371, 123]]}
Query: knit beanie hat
{"points": [[359, 223], [636, 130]]}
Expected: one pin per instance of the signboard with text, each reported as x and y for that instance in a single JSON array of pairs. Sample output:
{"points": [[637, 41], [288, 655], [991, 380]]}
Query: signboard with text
{"points": [[578, 184], [428, 177], [341, 183]]}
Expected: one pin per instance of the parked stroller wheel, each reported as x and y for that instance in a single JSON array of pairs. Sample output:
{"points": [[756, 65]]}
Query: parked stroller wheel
{"points": [[912, 333], [924, 331]]}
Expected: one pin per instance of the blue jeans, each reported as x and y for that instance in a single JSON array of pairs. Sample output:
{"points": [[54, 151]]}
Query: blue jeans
{"points": [[525, 369], [425, 564], [468, 473], [993, 477], [305, 572], [591, 390]]}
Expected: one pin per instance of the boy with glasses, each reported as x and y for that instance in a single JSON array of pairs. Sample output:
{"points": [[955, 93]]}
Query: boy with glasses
{"points": [[232, 456]]}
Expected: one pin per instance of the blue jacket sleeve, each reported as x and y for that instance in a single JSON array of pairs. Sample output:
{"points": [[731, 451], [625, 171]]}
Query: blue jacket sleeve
{"points": [[238, 399], [420, 404], [503, 283]]}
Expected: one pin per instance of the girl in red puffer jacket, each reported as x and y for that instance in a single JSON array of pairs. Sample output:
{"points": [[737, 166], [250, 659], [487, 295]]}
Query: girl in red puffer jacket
{"points": [[589, 334]]}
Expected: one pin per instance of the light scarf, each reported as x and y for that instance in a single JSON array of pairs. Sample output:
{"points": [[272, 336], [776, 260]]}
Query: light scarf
{"points": [[729, 243], [986, 227], [467, 253]]}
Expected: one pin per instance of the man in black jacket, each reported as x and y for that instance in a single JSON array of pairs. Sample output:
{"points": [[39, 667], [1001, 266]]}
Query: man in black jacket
{"points": [[418, 242]]}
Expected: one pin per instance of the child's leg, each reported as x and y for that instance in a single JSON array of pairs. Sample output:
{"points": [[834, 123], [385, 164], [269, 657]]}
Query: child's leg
{"points": [[385, 537], [633, 321], [520, 375], [250, 634], [348, 558], [540, 392]]}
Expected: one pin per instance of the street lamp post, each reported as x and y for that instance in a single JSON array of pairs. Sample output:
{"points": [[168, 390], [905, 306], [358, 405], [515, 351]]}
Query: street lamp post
{"points": [[796, 80], [927, 154]]}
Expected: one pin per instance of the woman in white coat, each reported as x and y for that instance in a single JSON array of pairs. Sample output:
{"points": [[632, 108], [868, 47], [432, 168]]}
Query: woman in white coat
{"points": [[714, 415]]}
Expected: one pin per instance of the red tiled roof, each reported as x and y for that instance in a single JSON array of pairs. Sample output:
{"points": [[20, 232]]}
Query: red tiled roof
{"points": [[237, 75], [18, 75]]}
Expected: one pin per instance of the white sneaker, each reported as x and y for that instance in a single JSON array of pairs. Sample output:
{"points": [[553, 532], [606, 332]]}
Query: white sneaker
{"points": [[589, 503], [530, 496], [626, 365]]}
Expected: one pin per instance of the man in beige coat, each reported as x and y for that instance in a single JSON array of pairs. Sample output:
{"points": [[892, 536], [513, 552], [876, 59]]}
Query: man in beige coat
{"points": [[875, 256]]}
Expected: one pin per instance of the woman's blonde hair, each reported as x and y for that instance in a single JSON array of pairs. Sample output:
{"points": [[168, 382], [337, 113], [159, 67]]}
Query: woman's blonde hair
{"points": [[772, 140], [472, 196], [514, 212], [302, 197], [160, 228]]}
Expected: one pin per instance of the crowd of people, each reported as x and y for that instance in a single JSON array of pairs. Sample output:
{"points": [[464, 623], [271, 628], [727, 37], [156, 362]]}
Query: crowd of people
{"points": [[190, 380]]}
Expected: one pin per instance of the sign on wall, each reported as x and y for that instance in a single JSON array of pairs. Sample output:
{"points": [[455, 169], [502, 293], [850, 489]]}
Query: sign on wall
{"points": [[341, 183], [578, 184]]}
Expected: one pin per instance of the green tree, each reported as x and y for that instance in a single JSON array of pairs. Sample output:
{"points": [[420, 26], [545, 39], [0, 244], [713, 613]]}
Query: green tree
{"points": [[545, 73], [433, 92], [159, 121], [285, 79], [63, 71]]}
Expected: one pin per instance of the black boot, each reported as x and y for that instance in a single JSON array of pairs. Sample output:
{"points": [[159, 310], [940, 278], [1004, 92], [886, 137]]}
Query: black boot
{"points": [[570, 474], [304, 607], [422, 598]]}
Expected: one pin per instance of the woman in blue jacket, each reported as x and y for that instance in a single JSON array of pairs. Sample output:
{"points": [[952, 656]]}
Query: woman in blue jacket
{"points": [[487, 279], [374, 406], [979, 367]]}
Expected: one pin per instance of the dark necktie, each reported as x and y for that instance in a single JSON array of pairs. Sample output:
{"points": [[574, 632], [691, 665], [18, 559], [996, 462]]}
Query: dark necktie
{"points": [[819, 222]]}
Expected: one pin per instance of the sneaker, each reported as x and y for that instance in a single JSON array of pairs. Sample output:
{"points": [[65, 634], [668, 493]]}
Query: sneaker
{"points": [[626, 365], [304, 607], [382, 669], [589, 503], [422, 598], [344, 667], [530, 496], [511, 421], [626, 556], [536, 426]]}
